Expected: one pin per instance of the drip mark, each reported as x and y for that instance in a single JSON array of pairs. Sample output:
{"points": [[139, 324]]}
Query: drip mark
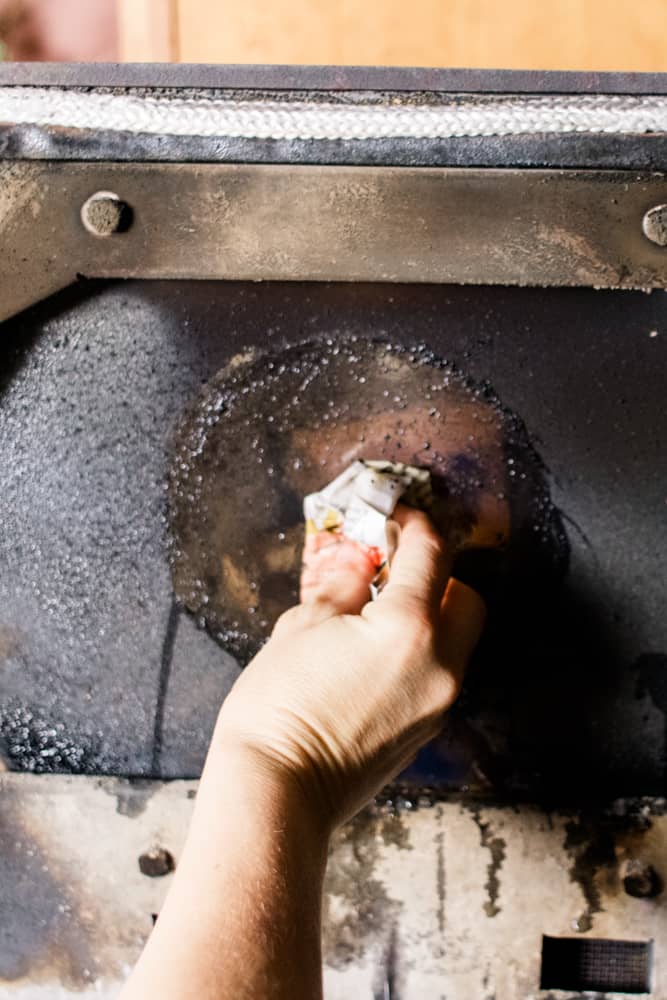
{"points": [[496, 847], [163, 684], [440, 880]]}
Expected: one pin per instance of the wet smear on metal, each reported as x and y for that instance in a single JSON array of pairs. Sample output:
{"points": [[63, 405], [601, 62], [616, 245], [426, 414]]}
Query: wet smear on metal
{"points": [[265, 432], [496, 847]]}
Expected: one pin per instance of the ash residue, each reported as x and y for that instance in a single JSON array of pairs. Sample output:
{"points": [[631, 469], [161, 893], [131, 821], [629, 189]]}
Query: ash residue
{"points": [[33, 743]]}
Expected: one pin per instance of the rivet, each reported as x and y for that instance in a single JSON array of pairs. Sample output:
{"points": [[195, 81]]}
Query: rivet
{"points": [[156, 862], [654, 225], [104, 214]]}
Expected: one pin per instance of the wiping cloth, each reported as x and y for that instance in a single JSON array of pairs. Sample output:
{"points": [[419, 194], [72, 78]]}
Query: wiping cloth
{"points": [[346, 522]]}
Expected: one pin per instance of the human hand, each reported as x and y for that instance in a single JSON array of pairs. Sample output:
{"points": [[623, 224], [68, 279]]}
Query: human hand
{"points": [[338, 702], [346, 691]]}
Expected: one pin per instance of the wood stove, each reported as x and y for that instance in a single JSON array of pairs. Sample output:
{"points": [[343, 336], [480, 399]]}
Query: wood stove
{"points": [[159, 224]]}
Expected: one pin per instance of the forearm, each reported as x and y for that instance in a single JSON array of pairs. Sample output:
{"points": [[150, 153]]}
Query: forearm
{"points": [[329, 711], [242, 918]]}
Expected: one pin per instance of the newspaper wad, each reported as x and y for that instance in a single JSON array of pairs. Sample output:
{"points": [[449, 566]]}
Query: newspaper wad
{"points": [[346, 522]]}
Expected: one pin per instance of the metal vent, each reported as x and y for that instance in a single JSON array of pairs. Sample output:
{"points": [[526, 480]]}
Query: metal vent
{"points": [[596, 964]]}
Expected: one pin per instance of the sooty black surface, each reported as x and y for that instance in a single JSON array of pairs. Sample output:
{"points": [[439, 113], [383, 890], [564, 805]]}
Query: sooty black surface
{"points": [[94, 385]]}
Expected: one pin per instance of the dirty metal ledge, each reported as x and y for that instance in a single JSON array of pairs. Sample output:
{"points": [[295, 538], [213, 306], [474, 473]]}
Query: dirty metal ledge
{"points": [[318, 223], [449, 900]]}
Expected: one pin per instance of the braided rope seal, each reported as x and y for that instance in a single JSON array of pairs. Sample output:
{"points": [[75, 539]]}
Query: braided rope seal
{"points": [[459, 116]]}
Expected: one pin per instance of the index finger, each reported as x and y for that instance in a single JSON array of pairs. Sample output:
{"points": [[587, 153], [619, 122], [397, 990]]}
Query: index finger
{"points": [[422, 562], [336, 575]]}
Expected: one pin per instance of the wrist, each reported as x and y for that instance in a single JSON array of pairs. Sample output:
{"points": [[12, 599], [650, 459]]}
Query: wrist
{"points": [[275, 783], [251, 875]]}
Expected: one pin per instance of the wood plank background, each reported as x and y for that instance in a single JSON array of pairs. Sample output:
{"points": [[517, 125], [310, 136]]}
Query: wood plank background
{"points": [[148, 30], [562, 34], [523, 34]]}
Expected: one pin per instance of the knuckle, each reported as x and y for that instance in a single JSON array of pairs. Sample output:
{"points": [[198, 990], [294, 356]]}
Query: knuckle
{"points": [[289, 620], [439, 694], [412, 632], [411, 611], [448, 688], [434, 545], [411, 652]]}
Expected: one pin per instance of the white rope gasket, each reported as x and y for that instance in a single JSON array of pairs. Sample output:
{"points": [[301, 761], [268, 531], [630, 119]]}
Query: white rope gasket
{"points": [[460, 116]]}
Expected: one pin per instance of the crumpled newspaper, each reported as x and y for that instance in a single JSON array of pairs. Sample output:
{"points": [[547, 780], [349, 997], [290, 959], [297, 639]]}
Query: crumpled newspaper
{"points": [[346, 521]]}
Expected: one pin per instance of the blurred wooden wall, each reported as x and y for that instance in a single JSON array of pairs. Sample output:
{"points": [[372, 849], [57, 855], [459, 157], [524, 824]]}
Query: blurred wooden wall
{"points": [[525, 34]]}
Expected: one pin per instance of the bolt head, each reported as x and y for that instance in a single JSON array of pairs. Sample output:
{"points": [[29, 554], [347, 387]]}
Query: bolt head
{"points": [[640, 879], [156, 862], [104, 214], [654, 225]]}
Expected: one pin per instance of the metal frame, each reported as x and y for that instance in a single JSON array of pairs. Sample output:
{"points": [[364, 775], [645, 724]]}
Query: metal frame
{"points": [[256, 222], [333, 78], [352, 210], [556, 228]]}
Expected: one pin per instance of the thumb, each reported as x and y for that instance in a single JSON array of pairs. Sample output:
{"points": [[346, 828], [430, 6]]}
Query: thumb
{"points": [[462, 617], [421, 565]]}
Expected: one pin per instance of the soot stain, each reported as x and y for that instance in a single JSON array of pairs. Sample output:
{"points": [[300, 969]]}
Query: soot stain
{"points": [[652, 680], [652, 668], [394, 831], [486, 986], [132, 796], [369, 910], [388, 979], [592, 842], [440, 878], [42, 935], [497, 849]]}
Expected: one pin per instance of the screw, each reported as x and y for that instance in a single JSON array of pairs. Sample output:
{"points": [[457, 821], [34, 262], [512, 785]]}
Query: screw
{"points": [[641, 880], [104, 214], [156, 862], [654, 225]]}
